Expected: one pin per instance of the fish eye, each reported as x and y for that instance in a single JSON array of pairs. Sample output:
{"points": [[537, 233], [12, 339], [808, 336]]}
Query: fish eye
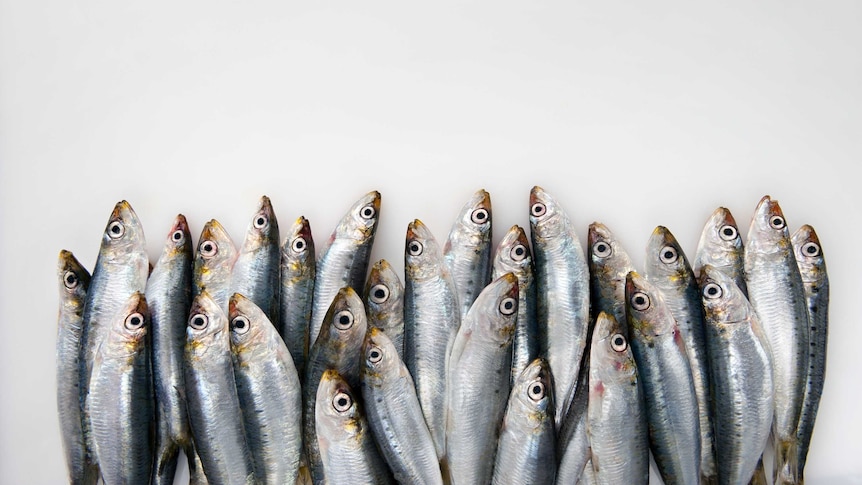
{"points": [[299, 245], [602, 249], [479, 216], [414, 248], [177, 236], [776, 222], [811, 249], [367, 212], [343, 320], [508, 306], [342, 402], [640, 301], [208, 249], [375, 355], [379, 293], [518, 253], [712, 291], [198, 321], [134, 321], [70, 280], [728, 232], [618, 342], [538, 209], [240, 324], [536, 391], [260, 221], [668, 255], [116, 229]]}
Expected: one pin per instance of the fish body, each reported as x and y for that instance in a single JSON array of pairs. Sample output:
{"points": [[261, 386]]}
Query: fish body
{"points": [[478, 386], [563, 294], [269, 392], [573, 442], [431, 322], [513, 256], [467, 251], [384, 303], [255, 273], [298, 269], [213, 264], [344, 260]]}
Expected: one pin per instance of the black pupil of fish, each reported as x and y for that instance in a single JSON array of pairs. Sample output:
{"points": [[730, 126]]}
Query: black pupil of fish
{"points": [[299, 244], [367, 212], [135, 321], [115, 229], [537, 209], [261, 221], [375, 354], [342, 402], [414, 248], [344, 319], [240, 324], [712, 290], [728, 232], [199, 321], [379, 293], [811, 249], [776, 221], [480, 215], [537, 390], [208, 247], [177, 236], [618, 341], [508, 305], [668, 254], [640, 300], [519, 251], [602, 248], [70, 280]]}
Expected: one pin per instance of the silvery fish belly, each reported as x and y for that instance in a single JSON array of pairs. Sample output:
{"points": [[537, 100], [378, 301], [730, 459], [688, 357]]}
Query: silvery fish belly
{"points": [[776, 292], [616, 420], [269, 392], [431, 321], [337, 347], [526, 452], [344, 260], [668, 270], [721, 247], [214, 262], [384, 303], [169, 298], [255, 273], [563, 294], [668, 388], [73, 282], [573, 443], [478, 385], [467, 251], [121, 397], [741, 375], [394, 413], [298, 269], [217, 424], [513, 256], [609, 264], [815, 283], [347, 450]]}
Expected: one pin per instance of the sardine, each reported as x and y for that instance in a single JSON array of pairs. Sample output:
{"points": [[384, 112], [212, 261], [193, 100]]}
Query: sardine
{"points": [[384, 303], [741, 376], [467, 251], [344, 260], [269, 393], [513, 256], [255, 272], [298, 268], [214, 262], [394, 413], [478, 385], [563, 294]]}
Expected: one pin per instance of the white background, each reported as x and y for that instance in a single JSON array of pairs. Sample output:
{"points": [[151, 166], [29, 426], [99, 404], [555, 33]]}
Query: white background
{"points": [[633, 115]]}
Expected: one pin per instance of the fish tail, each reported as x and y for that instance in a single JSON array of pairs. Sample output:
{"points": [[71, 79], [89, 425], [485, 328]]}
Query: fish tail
{"points": [[784, 471]]}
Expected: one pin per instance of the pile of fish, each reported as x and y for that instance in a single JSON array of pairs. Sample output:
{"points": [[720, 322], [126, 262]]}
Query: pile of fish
{"points": [[532, 362]]}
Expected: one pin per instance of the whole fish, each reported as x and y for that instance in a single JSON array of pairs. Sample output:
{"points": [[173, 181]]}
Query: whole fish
{"points": [[609, 264], [776, 292], [337, 347], [721, 247], [121, 270], [394, 413], [526, 452], [214, 262], [667, 384], [667, 268], [348, 453], [478, 386], [741, 376], [616, 419], [815, 283], [563, 294], [121, 397], [169, 290], [213, 405], [467, 251], [513, 256], [344, 260], [73, 282], [384, 303], [298, 268], [431, 321], [269, 392], [255, 272]]}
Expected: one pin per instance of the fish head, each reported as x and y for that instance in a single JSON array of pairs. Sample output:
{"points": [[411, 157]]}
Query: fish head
{"points": [[472, 228], [495, 311], [250, 329], [73, 278], [380, 358], [513, 253], [422, 256], [809, 254], [720, 241], [533, 392], [665, 257], [215, 247], [179, 239], [298, 246], [605, 254], [337, 413], [360, 222], [723, 301], [768, 232], [547, 218], [124, 234], [207, 327], [646, 312], [383, 289], [345, 322], [130, 326], [263, 228], [611, 357]]}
